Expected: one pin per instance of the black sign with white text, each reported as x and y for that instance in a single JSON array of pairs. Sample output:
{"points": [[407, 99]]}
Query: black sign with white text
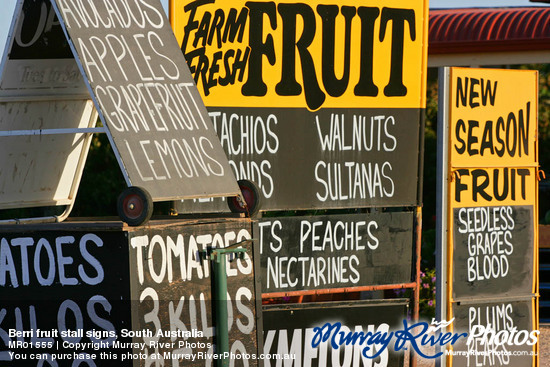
{"points": [[59, 303], [493, 251], [335, 251], [290, 330], [175, 292], [499, 334], [146, 97], [38, 59], [89, 294], [348, 157]]}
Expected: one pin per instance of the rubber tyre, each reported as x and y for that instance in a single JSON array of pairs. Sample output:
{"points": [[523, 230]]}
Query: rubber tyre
{"points": [[252, 197], [135, 206]]}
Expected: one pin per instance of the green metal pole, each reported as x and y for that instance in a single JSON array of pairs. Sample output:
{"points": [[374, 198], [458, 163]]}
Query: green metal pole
{"points": [[222, 331], [218, 259]]}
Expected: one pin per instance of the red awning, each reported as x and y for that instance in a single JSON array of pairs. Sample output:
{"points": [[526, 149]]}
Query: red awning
{"points": [[489, 30]]}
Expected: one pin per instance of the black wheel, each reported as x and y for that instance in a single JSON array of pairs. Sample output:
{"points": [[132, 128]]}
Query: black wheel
{"points": [[252, 197], [135, 206]]}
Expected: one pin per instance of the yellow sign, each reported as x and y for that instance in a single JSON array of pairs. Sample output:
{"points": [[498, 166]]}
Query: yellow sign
{"points": [[492, 212], [309, 54], [481, 186], [493, 117]]}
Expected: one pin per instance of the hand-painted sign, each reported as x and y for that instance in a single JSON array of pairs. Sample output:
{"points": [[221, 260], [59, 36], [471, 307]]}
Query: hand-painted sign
{"points": [[493, 249], [288, 330], [348, 158], [59, 305], [41, 88], [39, 34], [146, 97], [493, 181], [312, 93], [489, 225], [336, 251], [174, 288], [98, 294], [499, 334], [310, 54], [493, 118]]}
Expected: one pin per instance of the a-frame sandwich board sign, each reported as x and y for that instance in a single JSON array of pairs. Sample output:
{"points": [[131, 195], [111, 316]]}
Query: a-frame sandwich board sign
{"points": [[46, 115], [140, 84], [145, 95]]}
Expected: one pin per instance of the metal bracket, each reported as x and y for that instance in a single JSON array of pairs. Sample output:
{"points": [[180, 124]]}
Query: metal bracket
{"points": [[213, 253]]}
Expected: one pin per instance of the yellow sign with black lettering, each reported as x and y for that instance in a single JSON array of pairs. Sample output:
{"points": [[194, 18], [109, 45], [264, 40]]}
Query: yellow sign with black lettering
{"points": [[493, 183], [493, 186], [492, 210], [305, 54], [493, 117]]}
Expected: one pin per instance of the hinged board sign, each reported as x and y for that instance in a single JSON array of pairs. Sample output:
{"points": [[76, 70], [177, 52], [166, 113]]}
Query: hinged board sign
{"points": [[146, 97], [41, 88], [320, 103], [493, 185]]}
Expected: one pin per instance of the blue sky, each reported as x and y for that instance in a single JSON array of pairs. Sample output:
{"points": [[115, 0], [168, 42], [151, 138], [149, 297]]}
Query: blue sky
{"points": [[9, 5]]}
